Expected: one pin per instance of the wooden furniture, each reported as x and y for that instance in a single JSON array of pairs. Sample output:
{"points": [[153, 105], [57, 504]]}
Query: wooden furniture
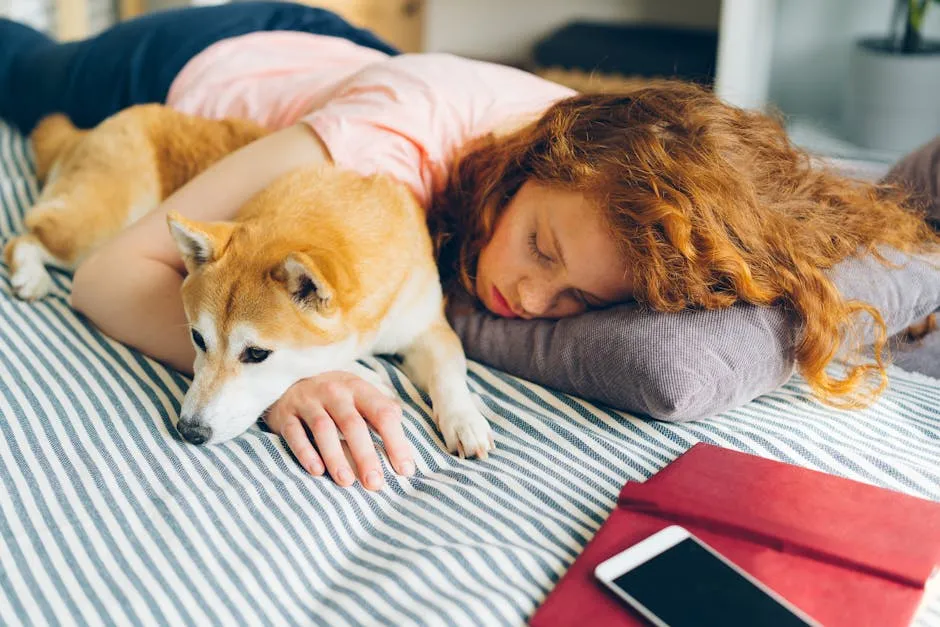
{"points": [[71, 19], [130, 8], [71, 16], [399, 22]]}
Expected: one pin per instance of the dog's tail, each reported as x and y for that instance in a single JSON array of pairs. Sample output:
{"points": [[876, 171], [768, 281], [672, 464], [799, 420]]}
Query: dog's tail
{"points": [[53, 137]]}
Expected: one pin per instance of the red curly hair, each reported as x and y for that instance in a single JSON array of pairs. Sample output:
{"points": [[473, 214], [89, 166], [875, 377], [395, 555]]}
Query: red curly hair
{"points": [[709, 204]]}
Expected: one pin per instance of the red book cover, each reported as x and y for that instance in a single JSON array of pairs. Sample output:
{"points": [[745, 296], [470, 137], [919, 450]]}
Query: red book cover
{"points": [[845, 552]]}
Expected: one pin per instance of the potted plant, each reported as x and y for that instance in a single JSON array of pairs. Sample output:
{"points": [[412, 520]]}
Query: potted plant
{"points": [[893, 89]]}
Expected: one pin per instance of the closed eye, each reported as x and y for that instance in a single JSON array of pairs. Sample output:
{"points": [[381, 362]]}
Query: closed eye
{"points": [[541, 257]]}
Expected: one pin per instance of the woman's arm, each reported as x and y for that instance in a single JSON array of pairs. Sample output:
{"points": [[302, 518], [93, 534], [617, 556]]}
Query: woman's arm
{"points": [[130, 287]]}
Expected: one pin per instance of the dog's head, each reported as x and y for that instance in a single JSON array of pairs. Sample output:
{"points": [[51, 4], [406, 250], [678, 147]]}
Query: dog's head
{"points": [[301, 284], [262, 316]]}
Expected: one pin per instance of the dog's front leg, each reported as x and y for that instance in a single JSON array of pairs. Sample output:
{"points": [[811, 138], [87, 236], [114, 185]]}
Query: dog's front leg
{"points": [[436, 363]]}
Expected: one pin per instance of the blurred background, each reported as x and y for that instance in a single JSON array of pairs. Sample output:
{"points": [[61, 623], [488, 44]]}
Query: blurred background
{"points": [[807, 59]]}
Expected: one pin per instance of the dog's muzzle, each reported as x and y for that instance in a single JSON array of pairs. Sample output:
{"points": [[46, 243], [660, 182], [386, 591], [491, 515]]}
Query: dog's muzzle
{"points": [[193, 432]]}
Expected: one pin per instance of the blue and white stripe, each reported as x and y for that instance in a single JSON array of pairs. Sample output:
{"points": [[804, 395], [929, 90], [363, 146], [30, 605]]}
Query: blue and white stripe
{"points": [[107, 518]]}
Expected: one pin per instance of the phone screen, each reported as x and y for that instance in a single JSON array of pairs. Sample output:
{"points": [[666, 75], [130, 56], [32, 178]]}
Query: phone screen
{"points": [[686, 585]]}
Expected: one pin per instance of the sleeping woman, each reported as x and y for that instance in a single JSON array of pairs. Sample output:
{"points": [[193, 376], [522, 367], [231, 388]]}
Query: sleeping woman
{"points": [[658, 250]]}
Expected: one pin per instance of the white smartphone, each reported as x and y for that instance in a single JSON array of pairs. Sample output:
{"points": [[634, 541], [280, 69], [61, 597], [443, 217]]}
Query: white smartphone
{"points": [[675, 580]]}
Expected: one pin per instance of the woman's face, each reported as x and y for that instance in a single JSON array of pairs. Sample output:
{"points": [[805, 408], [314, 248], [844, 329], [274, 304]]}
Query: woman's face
{"points": [[551, 255]]}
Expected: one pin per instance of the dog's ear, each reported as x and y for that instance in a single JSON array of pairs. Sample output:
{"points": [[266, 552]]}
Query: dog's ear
{"points": [[305, 283], [198, 242]]}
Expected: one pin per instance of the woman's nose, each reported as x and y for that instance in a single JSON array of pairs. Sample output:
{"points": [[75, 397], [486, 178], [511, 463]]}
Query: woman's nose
{"points": [[534, 297]]}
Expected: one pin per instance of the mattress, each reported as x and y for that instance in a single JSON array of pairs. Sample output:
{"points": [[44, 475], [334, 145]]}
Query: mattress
{"points": [[108, 517]]}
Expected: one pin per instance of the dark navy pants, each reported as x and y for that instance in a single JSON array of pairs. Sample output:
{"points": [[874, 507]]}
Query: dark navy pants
{"points": [[135, 62]]}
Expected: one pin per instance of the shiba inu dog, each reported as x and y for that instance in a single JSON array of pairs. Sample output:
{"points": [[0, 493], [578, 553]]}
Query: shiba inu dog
{"points": [[321, 268]]}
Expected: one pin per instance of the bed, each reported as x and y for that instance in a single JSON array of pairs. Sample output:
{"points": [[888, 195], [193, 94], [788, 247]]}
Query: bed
{"points": [[108, 517]]}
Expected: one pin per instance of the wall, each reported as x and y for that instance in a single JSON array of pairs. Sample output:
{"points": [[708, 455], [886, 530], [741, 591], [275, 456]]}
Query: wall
{"points": [[812, 42], [506, 30]]}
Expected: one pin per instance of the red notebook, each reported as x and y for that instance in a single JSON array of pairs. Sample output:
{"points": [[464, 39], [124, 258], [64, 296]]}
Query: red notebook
{"points": [[844, 552]]}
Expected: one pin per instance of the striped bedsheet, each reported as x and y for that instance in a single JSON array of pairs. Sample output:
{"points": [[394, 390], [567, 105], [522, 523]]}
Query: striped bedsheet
{"points": [[108, 518]]}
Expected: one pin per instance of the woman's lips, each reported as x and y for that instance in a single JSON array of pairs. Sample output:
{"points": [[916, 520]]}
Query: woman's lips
{"points": [[500, 305]]}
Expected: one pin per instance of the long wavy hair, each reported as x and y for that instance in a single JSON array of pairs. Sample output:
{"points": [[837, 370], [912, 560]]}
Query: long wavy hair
{"points": [[709, 204]]}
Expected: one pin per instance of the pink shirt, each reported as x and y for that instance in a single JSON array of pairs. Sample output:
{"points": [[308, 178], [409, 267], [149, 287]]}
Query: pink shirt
{"points": [[406, 116]]}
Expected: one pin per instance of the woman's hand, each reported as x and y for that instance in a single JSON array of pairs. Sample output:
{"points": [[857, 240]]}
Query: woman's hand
{"points": [[334, 403]]}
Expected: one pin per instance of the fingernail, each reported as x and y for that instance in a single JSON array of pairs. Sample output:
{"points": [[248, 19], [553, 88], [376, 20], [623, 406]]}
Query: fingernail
{"points": [[373, 479], [315, 468], [408, 468], [345, 476]]}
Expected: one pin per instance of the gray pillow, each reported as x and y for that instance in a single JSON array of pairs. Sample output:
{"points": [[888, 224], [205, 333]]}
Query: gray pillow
{"points": [[688, 365], [904, 295]]}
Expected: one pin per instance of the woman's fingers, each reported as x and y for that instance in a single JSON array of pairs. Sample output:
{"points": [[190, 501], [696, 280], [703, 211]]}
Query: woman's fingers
{"points": [[385, 416], [300, 445], [327, 438], [334, 403], [361, 447]]}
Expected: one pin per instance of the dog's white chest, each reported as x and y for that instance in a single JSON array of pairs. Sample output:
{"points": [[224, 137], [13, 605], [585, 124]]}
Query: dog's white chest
{"points": [[416, 307]]}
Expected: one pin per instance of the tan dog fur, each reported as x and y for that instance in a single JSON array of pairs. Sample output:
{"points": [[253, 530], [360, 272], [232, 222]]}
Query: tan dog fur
{"points": [[96, 183], [321, 268]]}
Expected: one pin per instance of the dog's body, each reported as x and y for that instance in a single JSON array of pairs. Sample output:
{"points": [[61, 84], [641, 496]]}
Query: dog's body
{"points": [[321, 268]]}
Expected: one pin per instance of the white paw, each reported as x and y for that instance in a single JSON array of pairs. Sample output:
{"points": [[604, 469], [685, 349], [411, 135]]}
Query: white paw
{"points": [[27, 259], [31, 281], [467, 433]]}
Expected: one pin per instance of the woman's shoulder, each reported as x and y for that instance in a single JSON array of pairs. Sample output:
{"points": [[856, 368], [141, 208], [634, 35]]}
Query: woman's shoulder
{"points": [[478, 96], [410, 115], [435, 68]]}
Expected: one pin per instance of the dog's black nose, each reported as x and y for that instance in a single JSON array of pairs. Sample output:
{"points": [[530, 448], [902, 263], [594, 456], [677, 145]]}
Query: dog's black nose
{"points": [[193, 432]]}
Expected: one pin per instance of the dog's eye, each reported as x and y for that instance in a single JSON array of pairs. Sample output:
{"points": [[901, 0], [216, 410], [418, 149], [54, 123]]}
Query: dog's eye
{"points": [[254, 355], [197, 339]]}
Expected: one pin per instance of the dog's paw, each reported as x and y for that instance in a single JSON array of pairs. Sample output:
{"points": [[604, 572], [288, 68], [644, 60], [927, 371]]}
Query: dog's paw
{"points": [[467, 433], [31, 282], [29, 277]]}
